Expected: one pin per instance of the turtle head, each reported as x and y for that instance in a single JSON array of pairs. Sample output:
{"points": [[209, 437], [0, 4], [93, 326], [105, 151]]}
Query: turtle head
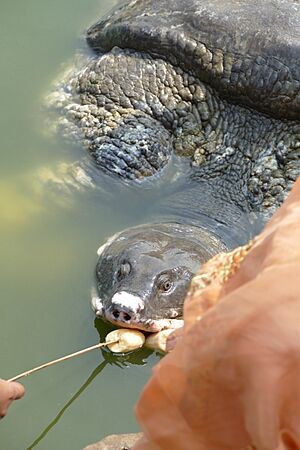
{"points": [[143, 274]]}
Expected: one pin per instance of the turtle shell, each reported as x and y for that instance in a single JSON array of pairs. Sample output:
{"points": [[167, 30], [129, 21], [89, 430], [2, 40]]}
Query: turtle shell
{"points": [[248, 51]]}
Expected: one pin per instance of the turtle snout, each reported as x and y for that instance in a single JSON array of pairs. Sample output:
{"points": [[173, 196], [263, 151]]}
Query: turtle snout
{"points": [[123, 314], [125, 307]]}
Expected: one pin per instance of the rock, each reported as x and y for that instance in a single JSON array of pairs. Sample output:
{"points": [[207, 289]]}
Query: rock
{"points": [[116, 442]]}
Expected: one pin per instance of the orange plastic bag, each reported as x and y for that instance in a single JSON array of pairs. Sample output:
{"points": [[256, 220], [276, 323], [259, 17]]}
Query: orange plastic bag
{"points": [[233, 380]]}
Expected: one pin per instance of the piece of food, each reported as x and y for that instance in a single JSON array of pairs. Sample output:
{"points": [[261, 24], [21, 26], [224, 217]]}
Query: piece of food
{"points": [[158, 341], [127, 340]]}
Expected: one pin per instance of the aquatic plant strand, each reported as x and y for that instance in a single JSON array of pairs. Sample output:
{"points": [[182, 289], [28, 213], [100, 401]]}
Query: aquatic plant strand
{"points": [[63, 358]]}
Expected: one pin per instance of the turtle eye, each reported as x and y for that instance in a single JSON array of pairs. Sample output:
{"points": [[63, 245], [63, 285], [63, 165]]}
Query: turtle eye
{"points": [[165, 284], [124, 270]]}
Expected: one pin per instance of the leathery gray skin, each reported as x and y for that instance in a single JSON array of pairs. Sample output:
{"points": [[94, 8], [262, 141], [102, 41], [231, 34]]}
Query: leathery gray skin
{"points": [[217, 82]]}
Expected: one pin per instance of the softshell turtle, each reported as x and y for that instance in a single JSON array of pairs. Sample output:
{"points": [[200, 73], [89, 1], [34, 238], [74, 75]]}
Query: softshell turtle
{"points": [[214, 82]]}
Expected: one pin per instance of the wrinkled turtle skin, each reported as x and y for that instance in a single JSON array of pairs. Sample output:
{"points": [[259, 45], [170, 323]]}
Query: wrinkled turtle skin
{"points": [[216, 83]]}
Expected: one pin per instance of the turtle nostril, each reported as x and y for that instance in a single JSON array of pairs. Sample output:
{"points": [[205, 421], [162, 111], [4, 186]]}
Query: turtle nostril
{"points": [[126, 317], [121, 315], [116, 313]]}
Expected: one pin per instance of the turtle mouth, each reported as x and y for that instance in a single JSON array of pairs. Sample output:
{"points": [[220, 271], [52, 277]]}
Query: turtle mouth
{"points": [[149, 325], [139, 323]]}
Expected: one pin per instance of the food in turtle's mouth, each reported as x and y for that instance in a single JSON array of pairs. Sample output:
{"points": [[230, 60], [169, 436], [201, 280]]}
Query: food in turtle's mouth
{"points": [[126, 340]]}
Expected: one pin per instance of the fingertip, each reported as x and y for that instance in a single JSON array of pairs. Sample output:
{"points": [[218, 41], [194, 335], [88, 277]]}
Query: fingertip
{"points": [[17, 390]]}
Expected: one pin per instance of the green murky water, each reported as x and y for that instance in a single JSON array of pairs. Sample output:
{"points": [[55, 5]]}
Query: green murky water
{"points": [[48, 250]]}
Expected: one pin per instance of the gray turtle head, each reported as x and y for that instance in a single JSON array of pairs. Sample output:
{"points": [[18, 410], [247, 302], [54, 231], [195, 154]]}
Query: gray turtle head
{"points": [[143, 274]]}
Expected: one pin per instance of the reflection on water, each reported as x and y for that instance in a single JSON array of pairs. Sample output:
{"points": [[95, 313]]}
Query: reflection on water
{"points": [[120, 361], [48, 241], [67, 405]]}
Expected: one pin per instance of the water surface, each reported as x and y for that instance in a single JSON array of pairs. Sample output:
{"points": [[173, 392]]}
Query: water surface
{"points": [[48, 249]]}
